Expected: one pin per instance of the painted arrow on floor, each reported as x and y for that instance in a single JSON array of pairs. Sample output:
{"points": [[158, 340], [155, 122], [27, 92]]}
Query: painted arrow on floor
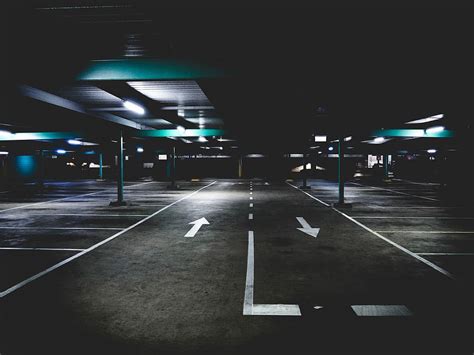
{"points": [[307, 228], [198, 223]]}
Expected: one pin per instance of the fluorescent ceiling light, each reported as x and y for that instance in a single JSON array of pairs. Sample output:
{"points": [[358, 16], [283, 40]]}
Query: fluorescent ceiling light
{"points": [[186, 141], [3, 152], [431, 151], [60, 151], [435, 129], [140, 150], [331, 149], [134, 107], [347, 139], [181, 113], [202, 139], [181, 129], [379, 139], [162, 157], [74, 142], [320, 138], [5, 134], [427, 119], [201, 126]]}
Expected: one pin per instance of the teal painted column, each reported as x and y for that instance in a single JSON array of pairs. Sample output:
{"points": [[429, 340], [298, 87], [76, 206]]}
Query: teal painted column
{"points": [[41, 168], [385, 166], [340, 171], [120, 170], [100, 166]]}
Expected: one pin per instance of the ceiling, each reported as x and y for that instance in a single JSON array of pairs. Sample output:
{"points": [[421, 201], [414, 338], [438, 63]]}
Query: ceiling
{"points": [[293, 71]]}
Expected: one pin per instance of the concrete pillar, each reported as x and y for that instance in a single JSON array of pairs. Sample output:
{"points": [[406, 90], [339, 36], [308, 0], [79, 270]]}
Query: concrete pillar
{"points": [[120, 201], [340, 174], [240, 167], [305, 172], [385, 166], [41, 168], [173, 170]]}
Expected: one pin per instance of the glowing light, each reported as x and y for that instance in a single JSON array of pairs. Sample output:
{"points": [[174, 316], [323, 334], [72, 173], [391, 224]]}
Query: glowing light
{"points": [[347, 139], [202, 139], [5, 134], [60, 151], [134, 107], [331, 149], [140, 150], [427, 119], [435, 129], [320, 138], [431, 151], [379, 139], [74, 142], [181, 129]]}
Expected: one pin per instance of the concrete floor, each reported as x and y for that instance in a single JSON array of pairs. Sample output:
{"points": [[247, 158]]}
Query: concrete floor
{"points": [[86, 278]]}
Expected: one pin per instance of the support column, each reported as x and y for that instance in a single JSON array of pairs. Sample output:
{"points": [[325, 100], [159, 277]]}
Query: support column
{"points": [[41, 168], [240, 167], [305, 173], [101, 176], [120, 201], [385, 166], [173, 185], [340, 175]]}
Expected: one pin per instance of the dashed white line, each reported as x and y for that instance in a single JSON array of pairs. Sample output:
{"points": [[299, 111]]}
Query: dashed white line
{"points": [[39, 249], [250, 205], [381, 310], [447, 254], [251, 197], [250, 215]]}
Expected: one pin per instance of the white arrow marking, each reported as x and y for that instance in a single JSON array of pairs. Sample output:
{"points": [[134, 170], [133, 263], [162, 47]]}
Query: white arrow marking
{"points": [[307, 228], [195, 228]]}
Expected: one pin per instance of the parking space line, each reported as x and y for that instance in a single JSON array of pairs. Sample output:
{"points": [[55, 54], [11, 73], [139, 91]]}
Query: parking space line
{"points": [[88, 214], [66, 228], [40, 249], [249, 279], [95, 246], [398, 246], [70, 197], [395, 191], [409, 217], [314, 198], [381, 310], [447, 254], [428, 232]]}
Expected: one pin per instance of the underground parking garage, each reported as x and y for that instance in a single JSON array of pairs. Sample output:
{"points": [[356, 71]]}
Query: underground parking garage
{"points": [[210, 179]]}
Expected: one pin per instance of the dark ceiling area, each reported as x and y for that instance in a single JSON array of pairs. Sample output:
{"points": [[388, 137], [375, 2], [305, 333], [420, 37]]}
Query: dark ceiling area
{"points": [[290, 72]]}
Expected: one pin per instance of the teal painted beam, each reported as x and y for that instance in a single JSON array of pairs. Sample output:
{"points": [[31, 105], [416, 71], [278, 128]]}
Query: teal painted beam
{"points": [[411, 133], [147, 69], [157, 133], [152, 133]]}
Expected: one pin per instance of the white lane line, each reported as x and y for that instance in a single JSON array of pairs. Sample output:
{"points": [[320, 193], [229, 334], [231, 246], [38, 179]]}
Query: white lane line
{"points": [[417, 207], [250, 192], [395, 191], [398, 246], [409, 217], [314, 198], [95, 246], [250, 215], [447, 254], [250, 204], [262, 309], [85, 215], [248, 296], [40, 249], [381, 310], [427, 232], [251, 197], [67, 198], [66, 228]]}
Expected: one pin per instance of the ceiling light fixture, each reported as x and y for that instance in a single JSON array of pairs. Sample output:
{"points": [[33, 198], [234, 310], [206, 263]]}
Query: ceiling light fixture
{"points": [[134, 107], [140, 150], [202, 139], [435, 129], [60, 151], [74, 142], [427, 119], [181, 129], [379, 139], [431, 151]]}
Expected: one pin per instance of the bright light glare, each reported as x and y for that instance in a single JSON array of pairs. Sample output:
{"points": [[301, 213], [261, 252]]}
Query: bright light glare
{"points": [[2, 152], [60, 151], [181, 129], [435, 129], [4, 133], [347, 139], [379, 139], [331, 149], [202, 139], [431, 151], [74, 142], [140, 150], [320, 138], [134, 107], [427, 119]]}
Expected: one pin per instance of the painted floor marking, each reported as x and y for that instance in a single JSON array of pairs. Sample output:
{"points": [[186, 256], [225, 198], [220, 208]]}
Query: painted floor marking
{"points": [[250, 204], [66, 228], [447, 254], [397, 192], [67, 198], [409, 217], [314, 198], [86, 214], [250, 215], [398, 246], [251, 197], [95, 246], [426, 232], [381, 310], [40, 249], [251, 309], [250, 192]]}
